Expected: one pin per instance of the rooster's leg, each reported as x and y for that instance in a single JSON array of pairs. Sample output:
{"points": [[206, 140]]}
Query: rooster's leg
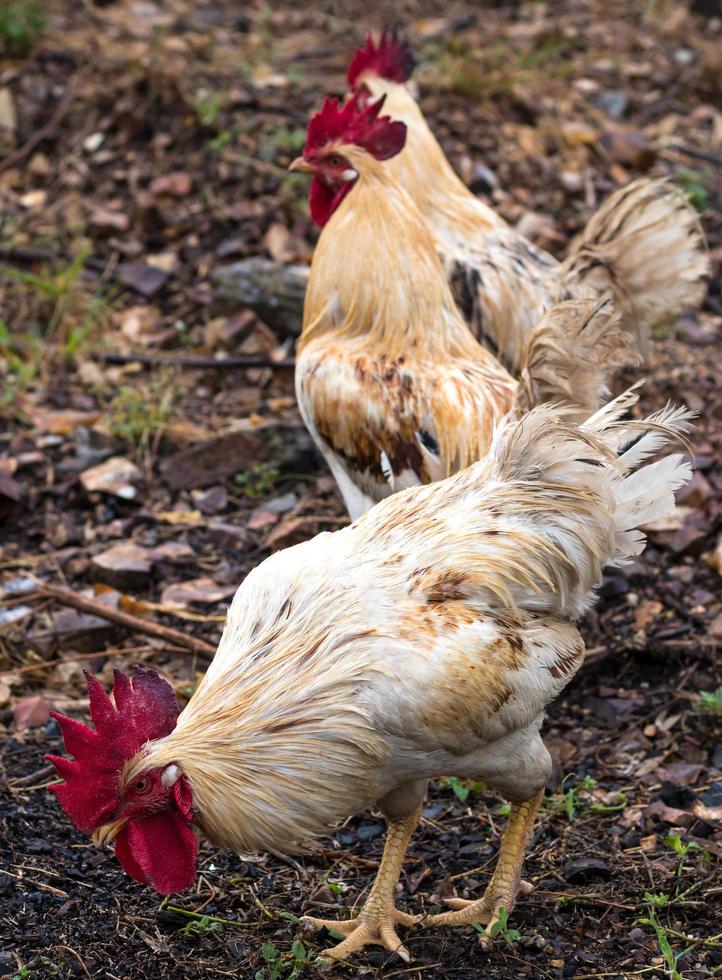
{"points": [[377, 921], [506, 883]]}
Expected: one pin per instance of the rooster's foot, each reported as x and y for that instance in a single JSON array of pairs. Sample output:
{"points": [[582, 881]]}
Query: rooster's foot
{"points": [[375, 926], [505, 884]]}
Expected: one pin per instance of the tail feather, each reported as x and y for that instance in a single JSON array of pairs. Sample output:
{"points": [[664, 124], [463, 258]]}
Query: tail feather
{"points": [[646, 244], [570, 356], [582, 505]]}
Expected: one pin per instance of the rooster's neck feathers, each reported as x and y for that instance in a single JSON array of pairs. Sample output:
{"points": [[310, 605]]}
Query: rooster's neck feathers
{"points": [[376, 275]]}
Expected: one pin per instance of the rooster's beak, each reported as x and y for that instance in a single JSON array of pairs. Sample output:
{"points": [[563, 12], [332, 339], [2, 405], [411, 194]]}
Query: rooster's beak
{"points": [[108, 832], [302, 165]]}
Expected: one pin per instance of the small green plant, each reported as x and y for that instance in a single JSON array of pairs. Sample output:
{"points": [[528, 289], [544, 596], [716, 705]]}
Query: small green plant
{"points": [[711, 701], [658, 900], [140, 416], [462, 788], [257, 482], [671, 959], [674, 841], [21, 21], [501, 930], [208, 107], [19, 365], [63, 308], [335, 887], [693, 186], [283, 966], [221, 141], [572, 801], [29, 971], [201, 927]]}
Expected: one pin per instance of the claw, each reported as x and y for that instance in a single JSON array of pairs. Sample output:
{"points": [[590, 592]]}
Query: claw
{"points": [[378, 930]]}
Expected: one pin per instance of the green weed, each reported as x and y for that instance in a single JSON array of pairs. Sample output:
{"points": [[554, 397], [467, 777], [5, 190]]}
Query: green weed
{"points": [[21, 22], [462, 788], [692, 184], [283, 966], [60, 305], [711, 701], [201, 927], [140, 416], [208, 107], [671, 959], [501, 930], [573, 802], [258, 482]]}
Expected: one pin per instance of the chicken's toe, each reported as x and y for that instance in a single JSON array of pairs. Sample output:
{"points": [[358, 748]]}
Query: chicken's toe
{"points": [[371, 928]]}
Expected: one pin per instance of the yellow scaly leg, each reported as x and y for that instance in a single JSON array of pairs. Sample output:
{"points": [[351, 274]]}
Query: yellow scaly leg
{"points": [[377, 921], [506, 883]]}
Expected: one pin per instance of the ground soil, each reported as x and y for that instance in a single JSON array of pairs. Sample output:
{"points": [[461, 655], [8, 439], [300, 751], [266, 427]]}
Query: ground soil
{"points": [[543, 109]]}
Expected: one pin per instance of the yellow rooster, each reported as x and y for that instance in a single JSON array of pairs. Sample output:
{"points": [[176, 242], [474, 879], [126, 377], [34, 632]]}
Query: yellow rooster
{"points": [[645, 244], [391, 384]]}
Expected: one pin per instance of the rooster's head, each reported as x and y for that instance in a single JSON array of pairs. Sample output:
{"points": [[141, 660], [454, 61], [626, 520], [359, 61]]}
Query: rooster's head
{"points": [[390, 57], [108, 793], [335, 134]]}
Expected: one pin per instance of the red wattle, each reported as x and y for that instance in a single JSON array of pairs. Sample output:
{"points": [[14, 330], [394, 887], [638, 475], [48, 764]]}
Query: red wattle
{"points": [[323, 200], [159, 850]]}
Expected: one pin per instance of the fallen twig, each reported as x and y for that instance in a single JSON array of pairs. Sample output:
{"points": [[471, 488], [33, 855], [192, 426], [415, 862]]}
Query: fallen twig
{"points": [[193, 360], [95, 608]]}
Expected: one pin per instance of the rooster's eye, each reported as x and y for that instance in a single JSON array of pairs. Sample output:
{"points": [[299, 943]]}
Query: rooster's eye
{"points": [[142, 786], [335, 161]]}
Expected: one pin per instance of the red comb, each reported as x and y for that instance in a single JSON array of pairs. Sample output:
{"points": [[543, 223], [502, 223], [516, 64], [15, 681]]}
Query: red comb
{"points": [[381, 136], [145, 709], [391, 58]]}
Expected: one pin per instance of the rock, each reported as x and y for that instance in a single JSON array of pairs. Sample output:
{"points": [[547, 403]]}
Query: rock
{"points": [[125, 566], [105, 220], [582, 871], [288, 448], [212, 501], [143, 278], [369, 830], [676, 796], [117, 476], [613, 102], [226, 535], [713, 795], [274, 291], [83, 632], [688, 540], [203, 591], [629, 147], [177, 184]]}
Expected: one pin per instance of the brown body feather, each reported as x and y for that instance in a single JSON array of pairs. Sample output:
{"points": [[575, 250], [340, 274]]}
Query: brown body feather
{"points": [[391, 383]]}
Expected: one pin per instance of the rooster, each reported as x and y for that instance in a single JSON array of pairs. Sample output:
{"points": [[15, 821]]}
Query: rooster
{"points": [[391, 383], [645, 244], [425, 638]]}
